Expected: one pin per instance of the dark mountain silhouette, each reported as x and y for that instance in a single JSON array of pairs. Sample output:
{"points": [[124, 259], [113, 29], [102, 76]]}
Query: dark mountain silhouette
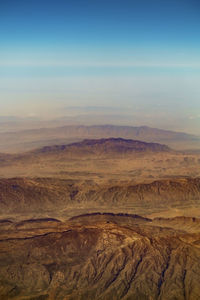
{"points": [[105, 146]]}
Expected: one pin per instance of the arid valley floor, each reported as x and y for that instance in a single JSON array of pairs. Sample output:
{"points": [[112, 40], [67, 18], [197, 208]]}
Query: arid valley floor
{"points": [[101, 218]]}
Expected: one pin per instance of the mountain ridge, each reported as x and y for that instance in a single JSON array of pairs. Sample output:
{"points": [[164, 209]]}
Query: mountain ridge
{"points": [[37, 195]]}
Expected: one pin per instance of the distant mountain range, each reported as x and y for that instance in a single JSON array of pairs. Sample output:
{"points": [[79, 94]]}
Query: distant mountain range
{"points": [[25, 140]]}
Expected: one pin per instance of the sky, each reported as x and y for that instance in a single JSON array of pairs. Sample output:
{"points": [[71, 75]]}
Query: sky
{"points": [[142, 57]]}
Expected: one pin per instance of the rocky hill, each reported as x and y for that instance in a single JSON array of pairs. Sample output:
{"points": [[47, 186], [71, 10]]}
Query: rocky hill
{"points": [[101, 256]]}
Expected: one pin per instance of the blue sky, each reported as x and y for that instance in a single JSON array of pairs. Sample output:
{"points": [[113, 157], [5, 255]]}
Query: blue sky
{"points": [[130, 54]]}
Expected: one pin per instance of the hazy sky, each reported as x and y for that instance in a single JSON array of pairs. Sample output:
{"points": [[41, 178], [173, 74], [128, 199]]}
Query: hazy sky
{"points": [[142, 55]]}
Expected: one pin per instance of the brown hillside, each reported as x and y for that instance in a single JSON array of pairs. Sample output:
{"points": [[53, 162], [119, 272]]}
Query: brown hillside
{"points": [[26, 195]]}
